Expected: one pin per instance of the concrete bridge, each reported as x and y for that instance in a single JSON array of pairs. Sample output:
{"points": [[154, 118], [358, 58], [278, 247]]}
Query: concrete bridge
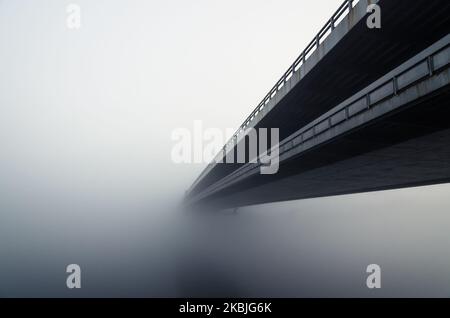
{"points": [[359, 110]]}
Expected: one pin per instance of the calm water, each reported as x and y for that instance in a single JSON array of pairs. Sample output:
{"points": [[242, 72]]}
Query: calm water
{"points": [[305, 248]]}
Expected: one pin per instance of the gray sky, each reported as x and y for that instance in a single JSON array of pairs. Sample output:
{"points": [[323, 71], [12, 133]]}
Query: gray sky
{"points": [[93, 109]]}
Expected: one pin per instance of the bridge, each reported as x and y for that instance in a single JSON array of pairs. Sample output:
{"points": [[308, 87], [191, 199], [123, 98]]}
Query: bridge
{"points": [[359, 110]]}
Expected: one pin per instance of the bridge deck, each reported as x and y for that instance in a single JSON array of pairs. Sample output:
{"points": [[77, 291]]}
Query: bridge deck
{"points": [[408, 102], [348, 59]]}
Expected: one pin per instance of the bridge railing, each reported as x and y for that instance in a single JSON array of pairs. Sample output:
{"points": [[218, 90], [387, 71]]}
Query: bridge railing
{"points": [[340, 13], [422, 67], [338, 16]]}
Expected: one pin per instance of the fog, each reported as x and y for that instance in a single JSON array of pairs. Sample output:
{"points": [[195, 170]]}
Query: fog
{"points": [[86, 176]]}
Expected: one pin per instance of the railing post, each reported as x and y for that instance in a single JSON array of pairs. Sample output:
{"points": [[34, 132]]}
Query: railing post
{"points": [[395, 83], [332, 23], [317, 40], [350, 6], [430, 65]]}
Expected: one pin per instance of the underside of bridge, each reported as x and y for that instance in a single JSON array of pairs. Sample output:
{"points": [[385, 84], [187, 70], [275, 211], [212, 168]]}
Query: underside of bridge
{"points": [[404, 148]]}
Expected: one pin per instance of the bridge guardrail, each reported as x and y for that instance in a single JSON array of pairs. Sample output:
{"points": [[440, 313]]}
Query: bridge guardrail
{"points": [[393, 84], [338, 16], [347, 5]]}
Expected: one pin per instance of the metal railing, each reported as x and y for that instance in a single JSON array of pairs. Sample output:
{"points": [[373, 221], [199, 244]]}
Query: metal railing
{"points": [[400, 80], [345, 7], [340, 13]]}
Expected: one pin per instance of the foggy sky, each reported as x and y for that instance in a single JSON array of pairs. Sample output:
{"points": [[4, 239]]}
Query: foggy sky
{"points": [[85, 133]]}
